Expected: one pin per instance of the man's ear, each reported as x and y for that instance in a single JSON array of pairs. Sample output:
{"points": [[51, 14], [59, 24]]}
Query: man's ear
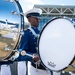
{"points": [[29, 19]]}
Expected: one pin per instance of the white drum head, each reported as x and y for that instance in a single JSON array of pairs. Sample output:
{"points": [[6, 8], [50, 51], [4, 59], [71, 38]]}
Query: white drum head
{"points": [[57, 44]]}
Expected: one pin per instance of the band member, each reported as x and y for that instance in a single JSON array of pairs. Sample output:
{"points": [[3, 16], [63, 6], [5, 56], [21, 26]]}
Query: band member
{"points": [[28, 47], [35, 67], [29, 43]]}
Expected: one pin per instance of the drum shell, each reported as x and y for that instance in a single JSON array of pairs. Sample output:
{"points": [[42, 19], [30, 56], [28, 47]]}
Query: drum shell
{"points": [[11, 26]]}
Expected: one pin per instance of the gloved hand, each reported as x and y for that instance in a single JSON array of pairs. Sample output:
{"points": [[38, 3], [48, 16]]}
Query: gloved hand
{"points": [[35, 57], [15, 56]]}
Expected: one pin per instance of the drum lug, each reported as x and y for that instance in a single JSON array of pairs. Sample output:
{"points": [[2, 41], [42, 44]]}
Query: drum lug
{"points": [[22, 33], [4, 60], [15, 56]]}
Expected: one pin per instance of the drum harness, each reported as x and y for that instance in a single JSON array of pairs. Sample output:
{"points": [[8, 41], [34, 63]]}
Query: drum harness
{"points": [[36, 35], [39, 61]]}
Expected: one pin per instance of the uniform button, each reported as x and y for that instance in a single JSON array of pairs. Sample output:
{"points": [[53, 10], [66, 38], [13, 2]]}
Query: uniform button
{"points": [[34, 37], [32, 34], [36, 48], [30, 31], [35, 42]]}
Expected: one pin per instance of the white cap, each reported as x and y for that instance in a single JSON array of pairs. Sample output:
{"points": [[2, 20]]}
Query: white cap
{"points": [[36, 12]]}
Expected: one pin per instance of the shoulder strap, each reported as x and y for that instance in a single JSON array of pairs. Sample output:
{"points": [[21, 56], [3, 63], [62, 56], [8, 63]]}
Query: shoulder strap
{"points": [[33, 32]]}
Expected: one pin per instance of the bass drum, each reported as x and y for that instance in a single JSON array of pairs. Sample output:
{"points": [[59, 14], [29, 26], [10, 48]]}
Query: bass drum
{"points": [[11, 25], [57, 44]]}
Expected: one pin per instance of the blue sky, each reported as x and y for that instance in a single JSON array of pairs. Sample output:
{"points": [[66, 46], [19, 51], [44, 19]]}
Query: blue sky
{"points": [[59, 2], [28, 4], [5, 11]]}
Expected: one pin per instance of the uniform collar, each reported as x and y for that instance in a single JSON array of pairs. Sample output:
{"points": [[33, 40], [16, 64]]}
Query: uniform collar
{"points": [[35, 29]]}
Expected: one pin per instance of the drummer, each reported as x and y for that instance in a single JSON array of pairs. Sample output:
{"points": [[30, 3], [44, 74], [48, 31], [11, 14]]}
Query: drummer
{"points": [[33, 18], [29, 44]]}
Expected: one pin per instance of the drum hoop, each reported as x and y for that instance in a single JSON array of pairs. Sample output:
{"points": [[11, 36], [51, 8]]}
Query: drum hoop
{"points": [[21, 23], [40, 37], [3, 58]]}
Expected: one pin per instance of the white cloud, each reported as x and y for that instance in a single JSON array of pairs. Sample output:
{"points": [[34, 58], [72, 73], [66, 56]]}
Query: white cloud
{"points": [[28, 4], [35, 1], [32, 2]]}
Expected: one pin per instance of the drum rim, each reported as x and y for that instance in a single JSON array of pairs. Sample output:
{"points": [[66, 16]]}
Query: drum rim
{"points": [[40, 37]]}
